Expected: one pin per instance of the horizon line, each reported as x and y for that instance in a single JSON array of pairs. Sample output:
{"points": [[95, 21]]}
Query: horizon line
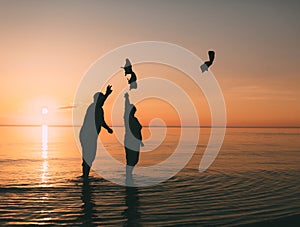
{"points": [[147, 126]]}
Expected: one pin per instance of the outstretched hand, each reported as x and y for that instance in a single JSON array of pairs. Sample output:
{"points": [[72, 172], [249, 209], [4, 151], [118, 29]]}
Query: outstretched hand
{"points": [[108, 90], [126, 95]]}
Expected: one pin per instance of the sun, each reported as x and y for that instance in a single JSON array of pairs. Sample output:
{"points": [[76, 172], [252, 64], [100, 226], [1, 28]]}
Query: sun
{"points": [[45, 110]]}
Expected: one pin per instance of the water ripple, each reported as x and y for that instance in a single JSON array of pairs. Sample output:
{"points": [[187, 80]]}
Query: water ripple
{"points": [[212, 198]]}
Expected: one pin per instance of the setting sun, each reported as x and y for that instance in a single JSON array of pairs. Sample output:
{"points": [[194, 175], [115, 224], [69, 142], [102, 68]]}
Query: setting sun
{"points": [[45, 110], [150, 113]]}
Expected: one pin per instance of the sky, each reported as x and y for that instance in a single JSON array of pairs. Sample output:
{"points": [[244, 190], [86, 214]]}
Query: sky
{"points": [[48, 46]]}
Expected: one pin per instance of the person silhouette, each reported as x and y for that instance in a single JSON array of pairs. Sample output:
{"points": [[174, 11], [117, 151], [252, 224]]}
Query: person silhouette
{"points": [[93, 121], [132, 138]]}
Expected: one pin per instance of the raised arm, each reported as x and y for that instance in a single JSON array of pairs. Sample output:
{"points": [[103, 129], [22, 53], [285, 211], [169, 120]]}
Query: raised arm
{"points": [[127, 104], [107, 93], [100, 113], [127, 107]]}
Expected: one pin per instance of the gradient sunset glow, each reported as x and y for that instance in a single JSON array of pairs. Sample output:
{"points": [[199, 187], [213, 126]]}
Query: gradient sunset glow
{"points": [[47, 46]]}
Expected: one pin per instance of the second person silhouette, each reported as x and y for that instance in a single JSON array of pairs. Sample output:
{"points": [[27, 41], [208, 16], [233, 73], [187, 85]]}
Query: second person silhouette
{"points": [[133, 136]]}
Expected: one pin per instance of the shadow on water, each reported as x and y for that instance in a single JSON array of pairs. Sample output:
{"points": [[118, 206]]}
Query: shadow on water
{"points": [[131, 213]]}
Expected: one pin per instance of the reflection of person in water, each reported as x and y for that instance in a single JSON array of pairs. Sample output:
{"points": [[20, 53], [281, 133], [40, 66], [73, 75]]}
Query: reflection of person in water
{"points": [[131, 213], [88, 204], [133, 136], [93, 121]]}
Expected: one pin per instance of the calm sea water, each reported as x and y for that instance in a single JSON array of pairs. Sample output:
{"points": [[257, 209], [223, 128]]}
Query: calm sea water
{"points": [[255, 179]]}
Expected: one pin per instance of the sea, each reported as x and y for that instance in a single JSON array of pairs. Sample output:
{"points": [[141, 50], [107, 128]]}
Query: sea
{"points": [[254, 181]]}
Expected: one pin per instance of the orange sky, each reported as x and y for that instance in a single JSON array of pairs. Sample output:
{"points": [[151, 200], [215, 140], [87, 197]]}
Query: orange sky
{"points": [[47, 46]]}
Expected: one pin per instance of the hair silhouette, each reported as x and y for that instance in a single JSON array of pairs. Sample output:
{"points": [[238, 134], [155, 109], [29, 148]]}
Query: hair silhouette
{"points": [[204, 67], [133, 136], [93, 121]]}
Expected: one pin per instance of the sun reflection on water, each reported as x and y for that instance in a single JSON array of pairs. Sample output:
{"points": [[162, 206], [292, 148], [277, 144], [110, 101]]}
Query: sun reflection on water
{"points": [[44, 168], [44, 141], [44, 176]]}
